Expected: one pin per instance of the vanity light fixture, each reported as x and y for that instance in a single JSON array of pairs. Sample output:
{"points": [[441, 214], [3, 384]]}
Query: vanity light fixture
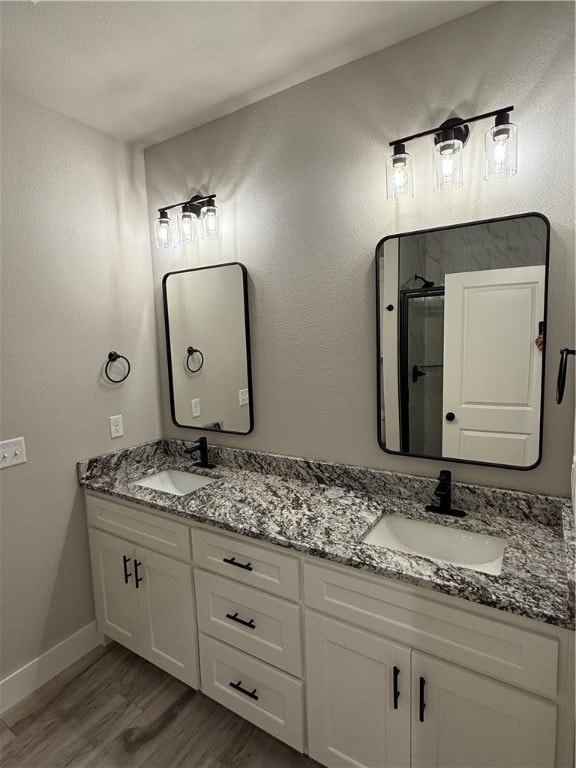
{"points": [[501, 149], [199, 217]]}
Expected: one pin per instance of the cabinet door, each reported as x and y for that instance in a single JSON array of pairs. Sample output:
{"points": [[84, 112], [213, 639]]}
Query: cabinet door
{"points": [[167, 615], [115, 598], [471, 721], [353, 718]]}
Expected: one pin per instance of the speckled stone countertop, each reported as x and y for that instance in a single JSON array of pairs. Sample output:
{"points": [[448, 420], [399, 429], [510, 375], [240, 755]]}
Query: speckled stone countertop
{"points": [[326, 509]]}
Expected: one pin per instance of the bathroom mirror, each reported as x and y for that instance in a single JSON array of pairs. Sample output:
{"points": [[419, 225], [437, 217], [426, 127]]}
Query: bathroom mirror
{"points": [[208, 347], [461, 341]]}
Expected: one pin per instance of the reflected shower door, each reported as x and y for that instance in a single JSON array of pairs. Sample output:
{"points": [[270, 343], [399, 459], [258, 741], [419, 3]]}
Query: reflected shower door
{"points": [[421, 370]]}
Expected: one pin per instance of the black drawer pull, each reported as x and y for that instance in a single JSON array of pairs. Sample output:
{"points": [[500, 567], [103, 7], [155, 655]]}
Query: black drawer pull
{"points": [[250, 624], [139, 578], [238, 687], [127, 575], [232, 561], [422, 702], [396, 688]]}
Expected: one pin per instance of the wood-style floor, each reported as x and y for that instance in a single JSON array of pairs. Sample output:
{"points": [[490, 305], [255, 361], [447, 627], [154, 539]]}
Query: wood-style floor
{"points": [[113, 709]]}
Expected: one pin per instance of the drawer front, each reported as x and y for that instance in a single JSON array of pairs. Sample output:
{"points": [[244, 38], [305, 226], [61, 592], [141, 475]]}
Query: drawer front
{"points": [[250, 620], [253, 565], [516, 656], [266, 697], [153, 532]]}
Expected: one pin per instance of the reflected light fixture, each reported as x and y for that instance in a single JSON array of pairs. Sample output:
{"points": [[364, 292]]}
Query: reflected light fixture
{"points": [[190, 222], [501, 154]]}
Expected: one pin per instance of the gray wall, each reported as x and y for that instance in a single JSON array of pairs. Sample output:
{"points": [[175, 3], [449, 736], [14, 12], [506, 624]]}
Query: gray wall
{"points": [[76, 283], [300, 178]]}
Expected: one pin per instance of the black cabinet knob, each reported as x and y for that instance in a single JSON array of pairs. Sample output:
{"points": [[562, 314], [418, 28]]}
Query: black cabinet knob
{"points": [[450, 416], [390, 307]]}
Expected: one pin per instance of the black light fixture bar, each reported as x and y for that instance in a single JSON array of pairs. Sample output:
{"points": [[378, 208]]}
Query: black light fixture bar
{"points": [[195, 200], [454, 123]]}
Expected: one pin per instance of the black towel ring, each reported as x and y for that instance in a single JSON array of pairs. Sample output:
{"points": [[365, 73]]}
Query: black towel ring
{"points": [[193, 351], [112, 357], [562, 370]]}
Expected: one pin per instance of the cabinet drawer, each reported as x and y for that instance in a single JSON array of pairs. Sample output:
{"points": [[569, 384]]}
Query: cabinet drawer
{"points": [[505, 652], [248, 619], [154, 532], [253, 565], [266, 697]]}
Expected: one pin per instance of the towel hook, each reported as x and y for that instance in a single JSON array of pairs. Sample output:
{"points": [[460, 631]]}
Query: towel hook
{"points": [[193, 351], [112, 357], [561, 381]]}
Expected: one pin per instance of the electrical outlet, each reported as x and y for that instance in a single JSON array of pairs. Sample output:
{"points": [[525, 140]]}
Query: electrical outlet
{"points": [[195, 408], [12, 452], [243, 397], [116, 426]]}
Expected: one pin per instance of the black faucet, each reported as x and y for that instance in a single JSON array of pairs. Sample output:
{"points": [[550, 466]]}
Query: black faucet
{"points": [[201, 445], [443, 492]]}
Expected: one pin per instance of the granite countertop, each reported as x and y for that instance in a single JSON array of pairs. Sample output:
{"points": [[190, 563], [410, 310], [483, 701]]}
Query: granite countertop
{"points": [[325, 510]]}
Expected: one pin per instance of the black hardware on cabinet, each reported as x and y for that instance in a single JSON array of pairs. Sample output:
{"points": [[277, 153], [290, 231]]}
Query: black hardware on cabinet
{"points": [[422, 705], [112, 357], [139, 578], [390, 307], [396, 671], [562, 370], [193, 351], [238, 687], [234, 617], [232, 561], [450, 416], [443, 492], [127, 575]]}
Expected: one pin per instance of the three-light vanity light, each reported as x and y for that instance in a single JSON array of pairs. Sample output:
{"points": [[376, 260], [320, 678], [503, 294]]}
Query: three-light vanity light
{"points": [[197, 218], [500, 145]]}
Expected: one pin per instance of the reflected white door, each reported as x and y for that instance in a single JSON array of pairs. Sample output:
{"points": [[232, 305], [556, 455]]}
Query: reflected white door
{"points": [[492, 367]]}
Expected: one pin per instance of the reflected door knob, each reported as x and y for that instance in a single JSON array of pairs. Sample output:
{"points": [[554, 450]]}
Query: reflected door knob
{"points": [[450, 416]]}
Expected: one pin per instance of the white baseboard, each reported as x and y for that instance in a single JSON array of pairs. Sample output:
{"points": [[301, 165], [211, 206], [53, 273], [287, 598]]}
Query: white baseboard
{"points": [[31, 676]]}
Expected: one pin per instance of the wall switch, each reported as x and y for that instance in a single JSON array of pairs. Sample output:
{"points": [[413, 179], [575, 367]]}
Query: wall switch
{"points": [[12, 452], [195, 408], [116, 426], [243, 397]]}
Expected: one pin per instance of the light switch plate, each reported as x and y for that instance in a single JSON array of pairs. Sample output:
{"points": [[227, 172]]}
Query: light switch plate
{"points": [[243, 397], [12, 452], [195, 408]]}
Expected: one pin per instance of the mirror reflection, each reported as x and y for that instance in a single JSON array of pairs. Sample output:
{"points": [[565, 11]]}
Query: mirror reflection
{"points": [[208, 346], [461, 328]]}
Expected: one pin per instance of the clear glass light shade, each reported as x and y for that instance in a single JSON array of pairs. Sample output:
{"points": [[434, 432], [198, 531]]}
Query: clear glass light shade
{"points": [[187, 227], [163, 232], [210, 223], [399, 177], [501, 146], [448, 165]]}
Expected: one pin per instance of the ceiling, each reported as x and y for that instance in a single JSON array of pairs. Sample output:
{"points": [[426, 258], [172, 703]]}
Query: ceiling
{"points": [[147, 71]]}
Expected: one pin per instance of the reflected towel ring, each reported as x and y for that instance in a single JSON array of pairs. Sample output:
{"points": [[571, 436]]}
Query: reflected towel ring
{"points": [[192, 351], [112, 357]]}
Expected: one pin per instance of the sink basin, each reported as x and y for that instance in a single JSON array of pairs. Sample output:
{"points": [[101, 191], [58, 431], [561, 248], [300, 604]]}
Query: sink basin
{"points": [[174, 481], [439, 543]]}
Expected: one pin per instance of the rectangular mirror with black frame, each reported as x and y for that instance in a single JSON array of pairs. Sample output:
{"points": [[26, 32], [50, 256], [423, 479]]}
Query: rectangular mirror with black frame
{"points": [[208, 347], [461, 341]]}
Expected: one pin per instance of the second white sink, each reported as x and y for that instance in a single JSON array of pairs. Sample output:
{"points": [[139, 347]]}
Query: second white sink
{"points": [[174, 481], [439, 543]]}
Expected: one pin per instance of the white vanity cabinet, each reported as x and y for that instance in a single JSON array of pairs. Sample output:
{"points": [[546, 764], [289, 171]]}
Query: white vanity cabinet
{"points": [[349, 667], [144, 599], [250, 638], [379, 703]]}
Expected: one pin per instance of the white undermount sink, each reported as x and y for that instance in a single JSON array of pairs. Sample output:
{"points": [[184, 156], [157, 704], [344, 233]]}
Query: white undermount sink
{"points": [[439, 543], [174, 481]]}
